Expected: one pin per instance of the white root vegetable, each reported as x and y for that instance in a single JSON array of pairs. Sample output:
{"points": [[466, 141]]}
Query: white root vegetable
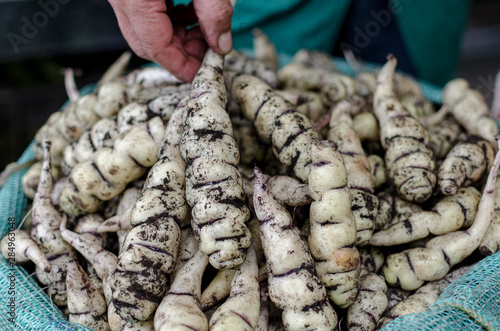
{"points": [[104, 262], [116, 69], [287, 190], [366, 126], [180, 308], [31, 178], [442, 137], [394, 296], [393, 209], [461, 98], [241, 309], [449, 214], [86, 226], [150, 76], [214, 188], [45, 232], [372, 260], [465, 164], [65, 126], [421, 299], [331, 216], [102, 134], [290, 266], [337, 261], [264, 49], [106, 174], [289, 131], [106, 130], [371, 302], [188, 245], [377, 169], [86, 304], [151, 246], [314, 58], [18, 247], [218, 289], [308, 103], [409, 162], [364, 202], [252, 150], [417, 105], [333, 85], [411, 268], [120, 222], [490, 243], [111, 96], [263, 320], [238, 62]]}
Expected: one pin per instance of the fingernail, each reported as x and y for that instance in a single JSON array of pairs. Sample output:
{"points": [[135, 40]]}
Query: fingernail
{"points": [[225, 42]]}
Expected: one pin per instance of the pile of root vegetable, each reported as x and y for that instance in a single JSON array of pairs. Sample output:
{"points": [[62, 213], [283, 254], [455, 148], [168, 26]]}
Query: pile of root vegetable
{"points": [[259, 197]]}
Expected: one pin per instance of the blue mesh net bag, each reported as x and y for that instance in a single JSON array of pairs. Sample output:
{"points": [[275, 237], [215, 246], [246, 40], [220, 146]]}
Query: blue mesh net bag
{"points": [[469, 303]]}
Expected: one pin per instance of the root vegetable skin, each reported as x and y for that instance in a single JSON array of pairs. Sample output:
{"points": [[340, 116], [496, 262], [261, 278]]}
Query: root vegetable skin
{"points": [[393, 209], [411, 268], [24, 249], [290, 266], [180, 308], [377, 169], [31, 179], [422, 298], [276, 121], [106, 174], [442, 136], [241, 63], [337, 261], [366, 126], [333, 85], [287, 190], [308, 103], [241, 310], [466, 163], [86, 304], [449, 214], [264, 49], [65, 126], [359, 179], [461, 98], [214, 188], [409, 162], [369, 305], [45, 232], [490, 243], [104, 263], [151, 246], [218, 289]]}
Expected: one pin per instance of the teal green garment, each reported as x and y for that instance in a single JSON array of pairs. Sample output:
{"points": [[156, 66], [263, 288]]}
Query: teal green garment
{"points": [[431, 29]]}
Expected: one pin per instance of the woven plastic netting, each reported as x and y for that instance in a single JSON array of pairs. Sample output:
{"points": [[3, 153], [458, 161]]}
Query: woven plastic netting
{"points": [[25, 306], [470, 303]]}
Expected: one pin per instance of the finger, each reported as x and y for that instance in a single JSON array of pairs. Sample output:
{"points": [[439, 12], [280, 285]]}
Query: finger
{"points": [[215, 22], [195, 44], [129, 34], [155, 32]]}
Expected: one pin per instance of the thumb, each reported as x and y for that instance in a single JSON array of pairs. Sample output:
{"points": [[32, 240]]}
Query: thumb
{"points": [[214, 17]]}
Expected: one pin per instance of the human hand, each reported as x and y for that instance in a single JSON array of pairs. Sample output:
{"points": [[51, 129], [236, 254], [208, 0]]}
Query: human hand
{"points": [[157, 31]]}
